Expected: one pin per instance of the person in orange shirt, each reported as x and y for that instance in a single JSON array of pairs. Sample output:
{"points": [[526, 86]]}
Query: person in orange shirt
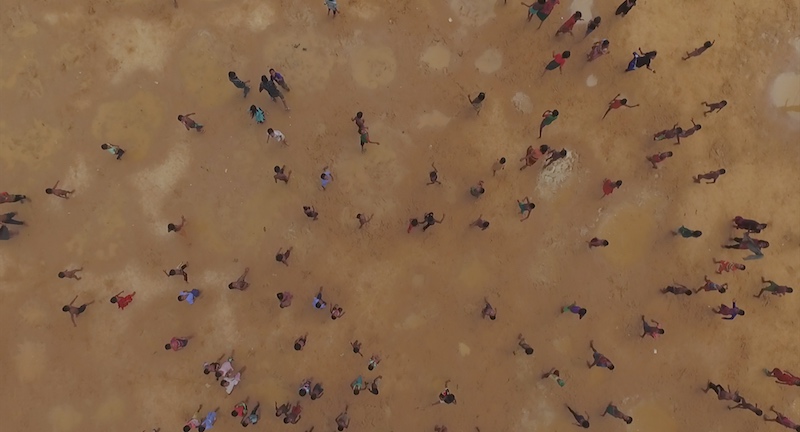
{"points": [[727, 266], [569, 24], [122, 301]]}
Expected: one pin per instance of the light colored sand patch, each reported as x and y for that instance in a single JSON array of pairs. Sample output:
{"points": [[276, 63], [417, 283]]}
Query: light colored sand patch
{"points": [[64, 418], [78, 174], [631, 230], [128, 124], [255, 16], [411, 322], [490, 61], [436, 56], [591, 81], [785, 94], [374, 67], [38, 142], [553, 177], [537, 419], [137, 45], [363, 9], [110, 410], [31, 360], [522, 103], [473, 12], [434, 118], [582, 6], [17, 22], [204, 72], [463, 349], [418, 280], [33, 314], [652, 417], [302, 58], [156, 183], [22, 75], [795, 42]]}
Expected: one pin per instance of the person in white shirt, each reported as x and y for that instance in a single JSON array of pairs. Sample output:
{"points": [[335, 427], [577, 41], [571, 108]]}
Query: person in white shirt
{"points": [[278, 135], [230, 383]]}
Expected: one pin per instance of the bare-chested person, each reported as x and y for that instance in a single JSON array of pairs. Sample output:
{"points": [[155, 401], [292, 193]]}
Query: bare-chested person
{"points": [[293, 416], [599, 359], [554, 156], [180, 270], [716, 106], [373, 386], [488, 310], [597, 242], [336, 311], [579, 419], [698, 51], [281, 174], [524, 345], [310, 212], [498, 165], [617, 103], [70, 274], [688, 132], [300, 343], [711, 175], [356, 347], [480, 223], [668, 133], [723, 394], [650, 330], [742, 244], [748, 406], [61, 193], [525, 208], [433, 176], [283, 409], [363, 220], [343, 420], [359, 121], [532, 155], [283, 257], [712, 286], [189, 123], [75, 311], [317, 391], [171, 227], [774, 288], [677, 289], [285, 299], [782, 420], [240, 284]]}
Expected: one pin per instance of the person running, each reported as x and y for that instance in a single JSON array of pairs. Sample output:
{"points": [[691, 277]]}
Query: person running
{"points": [[488, 310], [498, 165], [686, 232], [742, 244], [596, 242], [625, 7], [373, 386], [189, 123], [374, 360], [343, 420], [278, 78], [785, 378], [598, 359], [524, 345], [300, 343], [609, 186], [336, 311], [579, 419], [748, 406], [677, 289], [617, 103], [326, 177], [557, 62], [554, 156], [711, 175], [641, 59], [723, 394], [189, 296], [277, 135], [113, 149], [251, 418], [533, 8], [285, 299], [593, 25], [433, 176], [525, 208], [61, 193], [429, 220], [179, 271], [574, 308], [239, 83], [477, 103], [774, 288], [658, 158], [732, 312], [359, 121], [74, 312], [177, 343], [257, 114], [317, 391], [598, 49], [310, 212], [727, 266], [712, 286], [652, 331], [241, 284], [716, 106], [332, 7], [281, 174], [364, 132], [698, 51], [613, 411], [122, 301], [231, 382], [480, 223], [171, 227], [272, 90], [668, 133], [283, 256], [548, 117], [749, 225], [555, 375], [70, 274], [688, 132], [544, 12], [6, 197], [569, 24], [412, 223], [532, 155], [357, 385]]}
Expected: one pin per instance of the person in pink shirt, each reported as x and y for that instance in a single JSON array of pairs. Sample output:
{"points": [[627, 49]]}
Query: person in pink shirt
{"points": [[177, 343], [232, 382]]}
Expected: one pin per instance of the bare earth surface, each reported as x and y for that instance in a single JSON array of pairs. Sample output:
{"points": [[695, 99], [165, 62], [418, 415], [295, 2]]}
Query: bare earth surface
{"points": [[76, 74]]}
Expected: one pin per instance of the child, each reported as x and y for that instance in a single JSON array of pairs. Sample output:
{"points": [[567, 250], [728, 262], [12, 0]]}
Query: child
{"points": [[599, 49], [257, 114], [569, 24], [278, 135], [548, 117], [658, 158], [698, 51], [114, 150], [189, 123], [239, 83], [277, 78], [557, 62], [593, 25], [641, 59], [477, 103]]}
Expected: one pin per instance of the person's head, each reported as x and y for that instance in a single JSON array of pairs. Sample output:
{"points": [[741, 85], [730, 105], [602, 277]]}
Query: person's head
{"points": [[356, 349], [481, 96], [264, 78], [563, 153], [668, 154], [688, 292], [721, 171], [502, 161], [181, 297], [605, 43], [270, 131], [555, 113], [62, 275], [582, 312], [485, 224], [596, 20], [65, 308], [253, 110], [623, 101], [629, 420], [279, 295], [741, 266], [234, 413], [217, 374], [529, 351], [578, 14], [660, 331], [223, 383], [707, 44], [414, 222], [277, 169], [790, 290], [723, 103], [651, 54], [356, 391], [286, 420], [611, 366], [302, 391], [230, 285], [566, 54], [722, 290], [358, 216], [340, 428], [172, 272], [371, 366], [605, 243], [113, 299], [232, 75], [180, 118], [323, 176], [272, 71], [585, 424], [186, 428], [741, 312], [298, 347], [544, 148], [105, 146], [492, 317], [618, 183], [333, 317], [698, 127], [481, 190], [279, 258], [201, 428], [696, 233], [49, 191], [359, 114], [171, 227], [679, 130], [167, 347]]}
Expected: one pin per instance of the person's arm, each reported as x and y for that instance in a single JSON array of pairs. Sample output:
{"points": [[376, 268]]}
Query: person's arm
{"points": [[73, 300], [72, 317]]}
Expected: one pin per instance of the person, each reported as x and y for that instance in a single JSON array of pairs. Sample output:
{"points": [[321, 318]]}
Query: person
{"points": [[113, 149], [746, 405], [272, 90], [193, 422], [251, 418], [357, 385], [723, 394], [336, 311], [593, 25], [359, 120], [716, 106], [782, 420], [332, 7], [208, 421], [363, 220], [598, 359], [596, 242], [293, 416], [317, 391], [343, 420], [171, 227], [557, 62], [652, 331], [281, 175], [364, 132], [524, 345], [177, 343], [712, 286], [598, 49], [625, 7], [785, 378], [373, 386], [688, 132], [741, 244], [318, 303], [613, 411], [749, 225], [774, 288], [310, 212], [215, 365], [430, 220], [698, 51], [609, 186], [533, 8], [548, 117], [374, 360], [686, 232], [241, 284], [555, 375], [574, 308], [285, 299], [284, 409], [278, 78], [579, 419], [554, 156], [488, 310], [711, 175], [658, 158], [122, 301], [477, 103], [305, 387], [546, 9], [676, 289], [412, 223], [278, 135], [480, 223], [6, 197], [727, 266], [570, 23], [239, 83], [74, 312], [617, 103], [231, 382], [732, 312], [446, 397], [525, 208], [668, 133], [5, 233], [641, 59], [70, 274], [257, 114], [532, 155], [433, 176], [61, 193], [283, 257], [189, 123], [300, 343], [326, 177], [180, 270], [189, 296], [498, 165]]}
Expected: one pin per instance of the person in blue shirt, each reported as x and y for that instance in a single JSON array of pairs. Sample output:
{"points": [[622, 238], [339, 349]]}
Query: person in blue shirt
{"points": [[189, 296]]}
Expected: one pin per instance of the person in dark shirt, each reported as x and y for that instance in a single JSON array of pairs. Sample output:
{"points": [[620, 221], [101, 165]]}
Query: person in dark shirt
{"points": [[239, 83], [272, 89]]}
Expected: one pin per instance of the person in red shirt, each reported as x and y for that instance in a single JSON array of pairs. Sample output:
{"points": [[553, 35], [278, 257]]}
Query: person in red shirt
{"points": [[557, 62], [177, 343], [609, 186], [658, 158], [122, 301], [782, 420], [785, 378], [569, 24], [727, 266], [618, 103]]}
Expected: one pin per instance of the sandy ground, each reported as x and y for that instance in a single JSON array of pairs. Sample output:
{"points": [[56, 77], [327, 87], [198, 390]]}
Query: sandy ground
{"points": [[76, 74]]}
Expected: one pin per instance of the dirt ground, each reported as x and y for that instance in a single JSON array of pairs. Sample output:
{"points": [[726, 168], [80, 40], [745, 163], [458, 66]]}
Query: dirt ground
{"points": [[76, 74]]}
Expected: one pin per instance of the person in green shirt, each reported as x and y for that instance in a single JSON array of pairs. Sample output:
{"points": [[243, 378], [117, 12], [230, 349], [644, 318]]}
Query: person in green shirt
{"points": [[548, 117], [686, 232]]}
